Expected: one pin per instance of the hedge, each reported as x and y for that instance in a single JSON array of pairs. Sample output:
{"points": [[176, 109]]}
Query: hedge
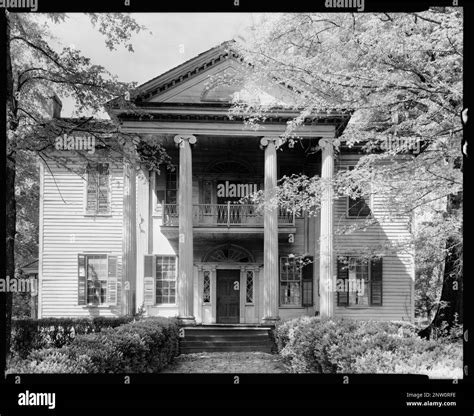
{"points": [[34, 334], [144, 346], [311, 345]]}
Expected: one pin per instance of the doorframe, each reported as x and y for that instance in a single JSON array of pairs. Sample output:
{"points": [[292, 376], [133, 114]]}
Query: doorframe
{"points": [[257, 268]]}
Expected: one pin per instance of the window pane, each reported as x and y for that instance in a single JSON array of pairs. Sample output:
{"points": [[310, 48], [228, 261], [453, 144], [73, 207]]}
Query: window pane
{"points": [[96, 266], [249, 287]]}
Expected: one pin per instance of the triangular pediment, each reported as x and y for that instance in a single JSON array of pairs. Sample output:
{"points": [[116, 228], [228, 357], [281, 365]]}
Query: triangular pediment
{"points": [[215, 76]]}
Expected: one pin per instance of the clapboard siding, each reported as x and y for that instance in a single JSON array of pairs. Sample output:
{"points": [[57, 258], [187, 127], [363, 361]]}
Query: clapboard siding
{"points": [[67, 231], [398, 269]]}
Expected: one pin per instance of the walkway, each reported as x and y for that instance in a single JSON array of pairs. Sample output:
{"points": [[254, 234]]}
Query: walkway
{"points": [[227, 362]]}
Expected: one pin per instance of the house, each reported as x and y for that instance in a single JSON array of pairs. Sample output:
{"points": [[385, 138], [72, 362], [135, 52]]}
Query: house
{"points": [[181, 243]]}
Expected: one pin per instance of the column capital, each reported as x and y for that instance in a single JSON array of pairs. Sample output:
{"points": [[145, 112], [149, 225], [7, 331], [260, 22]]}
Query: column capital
{"points": [[180, 138], [326, 144], [265, 141]]}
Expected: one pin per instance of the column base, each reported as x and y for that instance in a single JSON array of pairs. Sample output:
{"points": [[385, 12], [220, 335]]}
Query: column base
{"points": [[271, 320], [187, 320]]}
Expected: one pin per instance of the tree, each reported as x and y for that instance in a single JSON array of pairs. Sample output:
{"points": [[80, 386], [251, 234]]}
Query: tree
{"points": [[401, 77], [35, 73]]}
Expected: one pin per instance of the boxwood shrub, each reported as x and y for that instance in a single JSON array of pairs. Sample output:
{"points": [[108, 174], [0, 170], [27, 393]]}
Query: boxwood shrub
{"points": [[34, 334], [144, 346], [309, 345]]}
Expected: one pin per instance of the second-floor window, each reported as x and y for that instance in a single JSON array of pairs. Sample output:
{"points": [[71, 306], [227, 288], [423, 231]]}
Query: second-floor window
{"points": [[98, 188]]}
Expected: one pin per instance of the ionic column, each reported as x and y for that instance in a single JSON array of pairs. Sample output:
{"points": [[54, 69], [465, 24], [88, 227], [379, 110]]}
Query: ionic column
{"points": [[129, 240], [185, 287], [270, 233], [326, 255]]}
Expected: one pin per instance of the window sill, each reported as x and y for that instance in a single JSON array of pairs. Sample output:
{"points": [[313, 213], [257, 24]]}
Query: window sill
{"points": [[360, 307], [97, 215], [249, 304], [368, 217], [97, 306], [292, 307]]}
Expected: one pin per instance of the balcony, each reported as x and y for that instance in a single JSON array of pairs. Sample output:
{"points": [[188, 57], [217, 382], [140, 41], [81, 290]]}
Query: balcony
{"points": [[225, 216]]}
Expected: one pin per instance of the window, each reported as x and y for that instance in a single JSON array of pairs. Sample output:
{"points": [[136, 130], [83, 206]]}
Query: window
{"points": [[296, 281], [359, 281], [159, 283], [98, 189], [358, 207], [249, 287], [206, 290], [165, 279], [171, 196], [97, 276]]}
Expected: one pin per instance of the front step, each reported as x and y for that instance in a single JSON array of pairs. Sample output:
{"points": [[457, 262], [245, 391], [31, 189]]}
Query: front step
{"points": [[222, 338]]}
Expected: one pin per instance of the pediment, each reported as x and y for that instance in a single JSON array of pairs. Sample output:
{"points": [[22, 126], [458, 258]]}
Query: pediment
{"points": [[216, 76]]}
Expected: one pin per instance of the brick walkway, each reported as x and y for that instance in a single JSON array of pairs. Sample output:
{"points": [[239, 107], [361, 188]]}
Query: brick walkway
{"points": [[227, 362]]}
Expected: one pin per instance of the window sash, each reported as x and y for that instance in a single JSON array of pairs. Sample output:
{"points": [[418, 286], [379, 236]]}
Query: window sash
{"points": [[165, 279]]}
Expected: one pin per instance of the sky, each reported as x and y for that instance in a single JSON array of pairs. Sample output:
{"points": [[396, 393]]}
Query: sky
{"points": [[155, 52]]}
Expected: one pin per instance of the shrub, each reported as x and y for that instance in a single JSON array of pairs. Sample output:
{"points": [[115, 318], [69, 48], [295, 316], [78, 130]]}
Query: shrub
{"points": [[35, 334], [309, 344], [144, 346]]}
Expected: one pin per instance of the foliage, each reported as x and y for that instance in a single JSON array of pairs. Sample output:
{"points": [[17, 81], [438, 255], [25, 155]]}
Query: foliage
{"points": [[144, 346], [347, 346], [35, 334], [400, 76]]}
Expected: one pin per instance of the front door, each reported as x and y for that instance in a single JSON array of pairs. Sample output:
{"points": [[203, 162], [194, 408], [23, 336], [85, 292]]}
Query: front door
{"points": [[228, 296]]}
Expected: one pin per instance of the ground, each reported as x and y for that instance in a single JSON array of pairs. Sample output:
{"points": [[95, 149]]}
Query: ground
{"points": [[227, 362]]}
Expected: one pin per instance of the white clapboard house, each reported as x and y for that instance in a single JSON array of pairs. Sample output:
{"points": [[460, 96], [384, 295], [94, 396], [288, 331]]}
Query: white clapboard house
{"points": [[181, 243]]}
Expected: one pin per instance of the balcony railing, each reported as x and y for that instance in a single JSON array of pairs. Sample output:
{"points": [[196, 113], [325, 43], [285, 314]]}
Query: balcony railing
{"points": [[224, 215]]}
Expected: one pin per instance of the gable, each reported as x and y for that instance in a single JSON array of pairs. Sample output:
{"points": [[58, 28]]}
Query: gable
{"points": [[216, 76]]}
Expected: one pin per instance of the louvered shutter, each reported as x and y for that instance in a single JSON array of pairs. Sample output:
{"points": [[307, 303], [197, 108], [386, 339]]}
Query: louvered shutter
{"points": [[307, 274], [81, 280], [92, 184], [103, 197], [376, 270], [149, 281], [112, 277], [342, 273]]}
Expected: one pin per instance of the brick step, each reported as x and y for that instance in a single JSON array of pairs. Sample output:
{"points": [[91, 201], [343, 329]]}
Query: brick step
{"points": [[234, 348]]}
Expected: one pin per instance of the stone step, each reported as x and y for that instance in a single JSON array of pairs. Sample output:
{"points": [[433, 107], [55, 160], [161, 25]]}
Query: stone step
{"points": [[234, 348], [225, 339]]}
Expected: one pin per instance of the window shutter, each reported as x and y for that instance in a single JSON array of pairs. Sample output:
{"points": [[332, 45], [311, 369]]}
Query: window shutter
{"points": [[307, 274], [149, 281], [112, 294], [92, 183], [103, 198], [82, 280], [376, 269], [342, 273]]}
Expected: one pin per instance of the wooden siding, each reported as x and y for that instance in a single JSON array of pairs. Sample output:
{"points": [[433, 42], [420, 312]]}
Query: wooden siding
{"points": [[67, 231], [398, 270]]}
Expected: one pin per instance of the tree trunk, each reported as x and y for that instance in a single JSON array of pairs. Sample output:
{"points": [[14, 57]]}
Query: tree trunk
{"points": [[10, 203], [451, 300]]}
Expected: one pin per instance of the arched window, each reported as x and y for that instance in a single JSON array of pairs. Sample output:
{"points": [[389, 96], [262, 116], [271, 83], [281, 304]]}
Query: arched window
{"points": [[229, 253]]}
